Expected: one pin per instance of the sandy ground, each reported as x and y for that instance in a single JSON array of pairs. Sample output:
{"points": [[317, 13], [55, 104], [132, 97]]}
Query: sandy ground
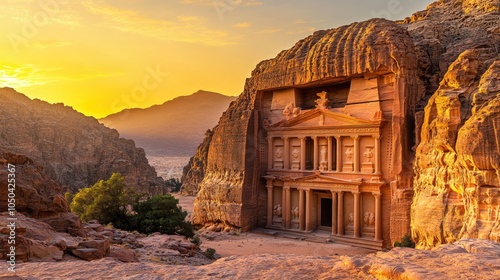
{"points": [[250, 243], [257, 256]]}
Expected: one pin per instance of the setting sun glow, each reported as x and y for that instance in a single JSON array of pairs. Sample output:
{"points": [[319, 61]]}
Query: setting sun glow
{"points": [[101, 56]]}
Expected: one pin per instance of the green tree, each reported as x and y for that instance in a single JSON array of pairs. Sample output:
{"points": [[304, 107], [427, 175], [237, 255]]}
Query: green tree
{"points": [[161, 214], [106, 201], [174, 184]]}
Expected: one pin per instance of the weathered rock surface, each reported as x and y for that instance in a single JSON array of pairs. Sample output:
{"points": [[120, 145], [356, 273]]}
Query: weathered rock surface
{"points": [[174, 128], [73, 149], [467, 259], [194, 171], [456, 186], [35, 240], [37, 195]]}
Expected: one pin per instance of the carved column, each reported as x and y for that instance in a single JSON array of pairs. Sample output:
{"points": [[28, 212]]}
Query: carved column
{"points": [[302, 153], [356, 214], [377, 153], [270, 205], [339, 153], [330, 154], [287, 154], [270, 152], [287, 209], [301, 209], [378, 216], [316, 152], [340, 214], [283, 207], [334, 212], [356, 153], [308, 209]]}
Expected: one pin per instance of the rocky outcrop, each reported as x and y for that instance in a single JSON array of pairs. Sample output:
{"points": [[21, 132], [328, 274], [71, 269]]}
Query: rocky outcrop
{"points": [[194, 171], [230, 192], [456, 186], [457, 182], [73, 149], [36, 195]]}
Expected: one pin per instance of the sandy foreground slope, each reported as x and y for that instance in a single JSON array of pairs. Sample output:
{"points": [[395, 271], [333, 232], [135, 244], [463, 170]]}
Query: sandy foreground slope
{"points": [[469, 259], [258, 256]]}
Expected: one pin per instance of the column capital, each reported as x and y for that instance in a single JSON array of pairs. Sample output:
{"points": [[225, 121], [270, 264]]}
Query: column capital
{"points": [[355, 193], [377, 137], [286, 187], [334, 192], [376, 194], [314, 137], [354, 137], [337, 136]]}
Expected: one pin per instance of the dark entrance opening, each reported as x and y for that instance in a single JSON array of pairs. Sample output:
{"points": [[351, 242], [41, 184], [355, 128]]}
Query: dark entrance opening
{"points": [[326, 212]]}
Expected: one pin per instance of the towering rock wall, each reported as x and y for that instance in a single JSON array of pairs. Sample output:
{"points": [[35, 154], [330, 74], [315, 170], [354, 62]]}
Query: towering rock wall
{"points": [[456, 167], [73, 149], [232, 190]]}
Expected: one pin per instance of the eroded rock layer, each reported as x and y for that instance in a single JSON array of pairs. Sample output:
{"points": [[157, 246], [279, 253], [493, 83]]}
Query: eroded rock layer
{"points": [[456, 166], [73, 149]]}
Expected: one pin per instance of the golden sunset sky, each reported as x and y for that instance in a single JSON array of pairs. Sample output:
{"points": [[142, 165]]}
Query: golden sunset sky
{"points": [[101, 56]]}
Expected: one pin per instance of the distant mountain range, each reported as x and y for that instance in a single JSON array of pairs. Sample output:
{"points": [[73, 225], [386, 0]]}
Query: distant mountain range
{"points": [[174, 128]]}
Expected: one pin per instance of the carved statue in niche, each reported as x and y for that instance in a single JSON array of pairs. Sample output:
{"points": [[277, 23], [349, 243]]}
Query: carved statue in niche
{"points": [[291, 111], [322, 102], [348, 153], [323, 160], [295, 153], [295, 213], [366, 218], [277, 210], [279, 153], [372, 219], [368, 155], [369, 219], [287, 112], [351, 219], [296, 111]]}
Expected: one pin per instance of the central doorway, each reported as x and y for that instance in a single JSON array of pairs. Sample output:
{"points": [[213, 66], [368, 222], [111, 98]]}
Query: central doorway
{"points": [[326, 212]]}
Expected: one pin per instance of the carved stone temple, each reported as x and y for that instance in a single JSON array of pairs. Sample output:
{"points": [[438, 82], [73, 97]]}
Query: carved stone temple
{"points": [[366, 132], [328, 148]]}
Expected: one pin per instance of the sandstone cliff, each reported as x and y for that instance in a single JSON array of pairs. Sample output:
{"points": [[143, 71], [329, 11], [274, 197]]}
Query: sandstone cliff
{"points": [[194, 171], [73, 149], [174, 128], [456, 167]]}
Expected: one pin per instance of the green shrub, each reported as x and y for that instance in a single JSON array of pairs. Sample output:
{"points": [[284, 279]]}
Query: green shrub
{"points": [[161, 214], [210, 253], [406, 241], [174, 184], [106, 201]]}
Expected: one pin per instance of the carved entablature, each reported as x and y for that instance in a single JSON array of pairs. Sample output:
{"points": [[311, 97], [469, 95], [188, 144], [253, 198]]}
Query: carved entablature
{"points": [[330, 183]]}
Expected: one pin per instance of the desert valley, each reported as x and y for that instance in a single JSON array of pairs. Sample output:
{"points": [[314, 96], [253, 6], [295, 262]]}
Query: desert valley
{"points": [[366, 151]]}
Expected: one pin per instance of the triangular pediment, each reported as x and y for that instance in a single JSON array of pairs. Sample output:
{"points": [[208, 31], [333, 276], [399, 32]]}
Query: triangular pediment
{"points": [[323, 117]]}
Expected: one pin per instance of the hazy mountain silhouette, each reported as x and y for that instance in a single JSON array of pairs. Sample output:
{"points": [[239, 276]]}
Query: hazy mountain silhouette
{"points": [[174, 128]]}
